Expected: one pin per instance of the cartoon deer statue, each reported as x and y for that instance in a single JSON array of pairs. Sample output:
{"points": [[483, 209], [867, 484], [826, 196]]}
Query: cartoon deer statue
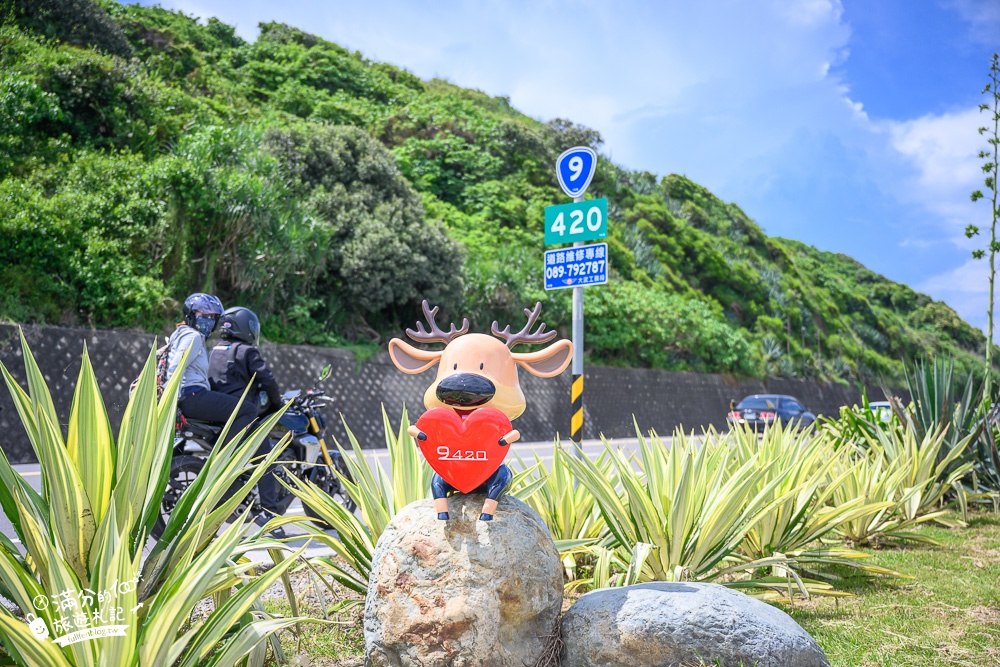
{"points": [[466, 432]]}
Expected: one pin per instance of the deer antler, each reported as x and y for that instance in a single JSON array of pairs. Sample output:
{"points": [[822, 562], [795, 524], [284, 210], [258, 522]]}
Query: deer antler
{"points": [[436, 334], [524, 335]]}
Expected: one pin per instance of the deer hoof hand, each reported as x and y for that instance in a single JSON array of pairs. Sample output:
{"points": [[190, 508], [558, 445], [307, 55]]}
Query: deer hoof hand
{"points": [[485, 517], [443, 516]]}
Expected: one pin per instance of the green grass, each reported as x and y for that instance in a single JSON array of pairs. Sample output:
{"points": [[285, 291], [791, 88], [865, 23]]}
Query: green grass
{"points": [[338, 644], [948, 613]]}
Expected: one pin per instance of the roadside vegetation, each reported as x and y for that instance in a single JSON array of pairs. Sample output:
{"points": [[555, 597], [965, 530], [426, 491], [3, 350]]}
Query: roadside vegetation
{"points": [[793, 517], [85, 566], [879, 531], [145, 155], [947, 612]]}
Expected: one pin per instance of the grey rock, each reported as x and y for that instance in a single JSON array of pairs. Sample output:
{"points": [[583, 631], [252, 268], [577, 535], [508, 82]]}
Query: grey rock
{"points": [[675, 624], [463, 592]]}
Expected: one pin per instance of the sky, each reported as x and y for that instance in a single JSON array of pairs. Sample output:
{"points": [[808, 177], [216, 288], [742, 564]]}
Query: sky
{"points": [[850, 125]]}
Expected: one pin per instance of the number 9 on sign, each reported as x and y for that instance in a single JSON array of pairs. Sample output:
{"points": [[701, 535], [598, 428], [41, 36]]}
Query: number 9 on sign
{"points": [[575, 169]]}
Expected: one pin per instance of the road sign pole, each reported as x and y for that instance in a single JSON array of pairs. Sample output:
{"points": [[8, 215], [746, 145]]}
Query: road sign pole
{"points": [[576, 393], [565, 223]]}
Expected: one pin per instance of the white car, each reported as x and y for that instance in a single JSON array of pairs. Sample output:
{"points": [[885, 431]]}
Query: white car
{"points": [[882, 410]]}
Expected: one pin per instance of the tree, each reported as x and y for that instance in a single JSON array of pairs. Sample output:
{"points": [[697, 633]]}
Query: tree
{"points": [[382, 255], [78, 22], [992, 90]]}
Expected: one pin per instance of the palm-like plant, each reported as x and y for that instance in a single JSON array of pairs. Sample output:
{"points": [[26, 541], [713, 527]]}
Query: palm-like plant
{"points": [[930, 468], [986, 459], [855, 421], [84, 535], [869, 475], [681, 511], [568, 509], [378, 495], [802, 512], [936, 404], [803, 466]]}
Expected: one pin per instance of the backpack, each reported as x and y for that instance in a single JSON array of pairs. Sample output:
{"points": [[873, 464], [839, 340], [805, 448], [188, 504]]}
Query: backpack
{"points": [[162, 354]]}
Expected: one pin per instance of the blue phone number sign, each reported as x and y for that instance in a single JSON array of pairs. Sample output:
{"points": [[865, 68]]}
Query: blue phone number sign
{"points": [[576, 267]]}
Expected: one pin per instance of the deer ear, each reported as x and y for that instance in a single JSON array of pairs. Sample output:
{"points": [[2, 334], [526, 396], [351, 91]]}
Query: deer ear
{"points": [[410, 359], [549, 362]]}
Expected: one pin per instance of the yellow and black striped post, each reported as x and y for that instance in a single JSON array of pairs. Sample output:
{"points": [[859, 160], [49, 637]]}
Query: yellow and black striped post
{"points": [[576, 421], [576, 393]]}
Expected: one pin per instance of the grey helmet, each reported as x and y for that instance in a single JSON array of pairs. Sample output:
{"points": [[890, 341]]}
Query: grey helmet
{"points": [[240, 323], [208, 304]]}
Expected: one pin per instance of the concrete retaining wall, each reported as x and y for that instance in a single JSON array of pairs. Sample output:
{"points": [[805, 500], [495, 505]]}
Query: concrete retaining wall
{"points": [[659, 400]]}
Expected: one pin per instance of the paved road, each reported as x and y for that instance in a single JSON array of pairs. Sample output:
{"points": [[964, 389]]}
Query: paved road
{"points": [[526, 450]]}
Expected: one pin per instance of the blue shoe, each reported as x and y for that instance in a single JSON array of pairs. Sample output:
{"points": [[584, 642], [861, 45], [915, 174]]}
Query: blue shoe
{"points": [[443, 516], [485, 517]]}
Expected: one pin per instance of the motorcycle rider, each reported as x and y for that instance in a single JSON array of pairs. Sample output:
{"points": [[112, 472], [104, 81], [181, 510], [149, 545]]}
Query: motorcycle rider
{"points": [[196, 399], [231, 365]]}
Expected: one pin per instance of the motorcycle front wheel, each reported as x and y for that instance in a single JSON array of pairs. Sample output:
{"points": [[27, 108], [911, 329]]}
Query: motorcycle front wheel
{"points": [[183, 471], [324, 478]]}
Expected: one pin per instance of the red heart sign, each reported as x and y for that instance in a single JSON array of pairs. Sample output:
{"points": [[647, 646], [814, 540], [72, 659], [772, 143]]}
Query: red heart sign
{"points": [[465, 452]]}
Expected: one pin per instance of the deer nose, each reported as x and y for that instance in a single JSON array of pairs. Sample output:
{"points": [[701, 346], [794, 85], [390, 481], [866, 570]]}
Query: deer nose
{"points": [[465, 390]]}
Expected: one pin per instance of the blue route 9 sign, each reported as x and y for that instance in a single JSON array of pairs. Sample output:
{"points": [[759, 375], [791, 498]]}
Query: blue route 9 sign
{"points": [[576, 267], [575, 169]]}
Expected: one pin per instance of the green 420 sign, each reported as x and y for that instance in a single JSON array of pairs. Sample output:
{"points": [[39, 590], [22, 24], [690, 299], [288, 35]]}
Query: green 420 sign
{"points": [[579, 221]]}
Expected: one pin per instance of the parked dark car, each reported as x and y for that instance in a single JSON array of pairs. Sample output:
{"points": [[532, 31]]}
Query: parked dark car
{"points": [[762, 410]]}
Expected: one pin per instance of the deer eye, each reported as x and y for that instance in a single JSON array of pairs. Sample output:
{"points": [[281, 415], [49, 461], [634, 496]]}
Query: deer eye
{"points": [[455, 367], [480, 365]]}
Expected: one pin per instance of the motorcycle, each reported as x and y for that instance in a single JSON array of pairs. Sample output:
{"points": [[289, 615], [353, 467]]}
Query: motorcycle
{"points": [[307, 455]]}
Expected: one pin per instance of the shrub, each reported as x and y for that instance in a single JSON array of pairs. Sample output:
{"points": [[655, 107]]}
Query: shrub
{"points": [[25, 111], [649, 327], [85, 533], [382, 256], [680, 511], [238, 227], [570, 510], [87, 238], [78, 22]]}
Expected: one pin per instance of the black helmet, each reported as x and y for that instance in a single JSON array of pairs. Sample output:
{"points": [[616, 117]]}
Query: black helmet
{"points": [[201, 302], [240, 323]]}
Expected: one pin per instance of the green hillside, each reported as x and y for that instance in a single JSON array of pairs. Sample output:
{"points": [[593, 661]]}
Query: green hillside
{"points": [[145, 155]]}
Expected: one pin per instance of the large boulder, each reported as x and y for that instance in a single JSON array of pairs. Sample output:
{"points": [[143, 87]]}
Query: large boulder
{"points": [[463, 592], [666, 624]]}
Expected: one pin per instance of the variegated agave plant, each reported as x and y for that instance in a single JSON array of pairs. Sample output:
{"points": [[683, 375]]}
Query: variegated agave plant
{"points": [[88, 595]]}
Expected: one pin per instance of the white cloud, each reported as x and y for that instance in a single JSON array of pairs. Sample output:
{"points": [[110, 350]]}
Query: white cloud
{"points": [[811, 12], [943, 151], [983, 17], [943, 148], [972, 277]]}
